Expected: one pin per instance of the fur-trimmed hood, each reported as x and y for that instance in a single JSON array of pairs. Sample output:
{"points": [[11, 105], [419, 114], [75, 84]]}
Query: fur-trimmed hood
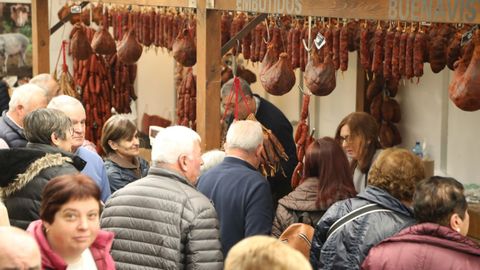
{"points": [[20, 165]]}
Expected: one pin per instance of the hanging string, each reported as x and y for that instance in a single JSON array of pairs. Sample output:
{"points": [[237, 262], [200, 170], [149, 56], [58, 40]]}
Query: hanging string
{"points": [[64, 57]]}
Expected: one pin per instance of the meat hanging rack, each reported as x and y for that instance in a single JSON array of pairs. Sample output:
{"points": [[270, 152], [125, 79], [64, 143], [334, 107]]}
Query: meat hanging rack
{"points": [[208, 35]]}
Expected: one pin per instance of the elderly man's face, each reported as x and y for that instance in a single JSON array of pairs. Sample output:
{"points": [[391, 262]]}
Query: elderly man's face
{"points": [[78, 117], [246, 105]]}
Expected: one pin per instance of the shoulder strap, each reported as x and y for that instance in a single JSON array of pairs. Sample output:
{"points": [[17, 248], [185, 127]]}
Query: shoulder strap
{"points": [[364, 210]]}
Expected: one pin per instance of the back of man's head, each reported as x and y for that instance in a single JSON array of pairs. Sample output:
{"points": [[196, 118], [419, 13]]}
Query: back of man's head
{"points": [[259, 251], [228, 87], [245, 135], [18, 250], [172, 142], [29, 96], [46, 82], [437, 198], [64, 102]]}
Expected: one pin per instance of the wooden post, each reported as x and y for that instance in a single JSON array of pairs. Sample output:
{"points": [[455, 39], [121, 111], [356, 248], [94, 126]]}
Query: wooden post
{"points": [[208, 76], [360, 104], [40, 37]]}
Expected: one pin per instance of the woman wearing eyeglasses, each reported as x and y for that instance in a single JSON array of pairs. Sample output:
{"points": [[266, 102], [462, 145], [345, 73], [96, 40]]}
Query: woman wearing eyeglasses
{"points": [[358, 133], [26, 170]]}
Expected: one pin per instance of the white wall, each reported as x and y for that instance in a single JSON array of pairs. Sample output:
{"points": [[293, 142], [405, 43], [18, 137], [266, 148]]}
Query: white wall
{"points": [[428, 115]]}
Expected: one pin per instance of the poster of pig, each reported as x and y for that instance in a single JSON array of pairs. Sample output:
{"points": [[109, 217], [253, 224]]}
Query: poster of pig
{"points": [[15, 39]]}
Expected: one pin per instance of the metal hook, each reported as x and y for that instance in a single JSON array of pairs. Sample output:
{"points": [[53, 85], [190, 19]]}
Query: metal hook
{"points": [[268, 33]]}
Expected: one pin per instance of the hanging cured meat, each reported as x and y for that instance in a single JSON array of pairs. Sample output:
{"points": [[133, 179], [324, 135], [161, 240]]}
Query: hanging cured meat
{"points": [[279, 78], [80, 46], [464, 90], [184, 49], [103, 42], [320, 77]]}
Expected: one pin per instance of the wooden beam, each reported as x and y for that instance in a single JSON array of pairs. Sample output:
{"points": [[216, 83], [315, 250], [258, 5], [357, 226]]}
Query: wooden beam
{"points": [[242, 33], [161, 3], [40, 37], [449, 11], [361, 89], [208, 76]]}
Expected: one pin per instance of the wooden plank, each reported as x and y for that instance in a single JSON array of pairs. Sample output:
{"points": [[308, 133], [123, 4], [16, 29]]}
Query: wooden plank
{"points": [[450, 11], [242, 33], [40, 37], [161, 3], [208, 76], [361, 89]]}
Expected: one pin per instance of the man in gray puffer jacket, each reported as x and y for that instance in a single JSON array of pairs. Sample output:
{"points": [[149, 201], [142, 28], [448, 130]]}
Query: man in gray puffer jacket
{"points": [[161, 221]]}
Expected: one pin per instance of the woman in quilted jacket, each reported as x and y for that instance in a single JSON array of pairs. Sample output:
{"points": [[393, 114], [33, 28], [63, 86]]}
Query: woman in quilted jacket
{"points": [[439, 240]]}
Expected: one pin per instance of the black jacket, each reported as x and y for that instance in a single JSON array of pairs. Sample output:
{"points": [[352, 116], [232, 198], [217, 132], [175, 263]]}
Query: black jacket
{"points": [[11, 133], [25, 172], [272, 118], [348, 247]]}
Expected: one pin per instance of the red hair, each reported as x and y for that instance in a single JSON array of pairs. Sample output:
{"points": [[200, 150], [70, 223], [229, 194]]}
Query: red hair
{"points": [[326, 161]]}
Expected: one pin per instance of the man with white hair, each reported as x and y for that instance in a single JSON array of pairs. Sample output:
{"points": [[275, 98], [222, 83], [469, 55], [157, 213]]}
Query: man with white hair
{"points": [[241, 195], [48, 83], [95, 167], [25, 99], [161, 221], [18, 250]]}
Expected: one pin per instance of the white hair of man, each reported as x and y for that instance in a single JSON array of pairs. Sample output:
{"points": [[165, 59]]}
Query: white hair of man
{"points": [[63, 102], [18, 249], [46, 82], [246, 135], [25, 94], [211, 158], [172, 142]]}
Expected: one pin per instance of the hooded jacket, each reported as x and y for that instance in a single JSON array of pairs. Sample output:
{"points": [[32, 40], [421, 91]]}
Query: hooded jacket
{"points": [[302, 199], [25, 172], [100, 249], [162, 222], [348, 247], [425, 246]]}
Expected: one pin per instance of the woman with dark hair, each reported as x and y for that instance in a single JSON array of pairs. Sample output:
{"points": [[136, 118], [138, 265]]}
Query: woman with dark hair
{"points": [[358, 134], [326, 179], [68, 232], [121, 145], [439, 240]]}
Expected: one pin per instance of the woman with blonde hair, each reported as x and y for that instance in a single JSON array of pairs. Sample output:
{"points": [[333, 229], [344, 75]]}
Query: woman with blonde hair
{"points": [[260, 252], [358, 134], [349, 228]]}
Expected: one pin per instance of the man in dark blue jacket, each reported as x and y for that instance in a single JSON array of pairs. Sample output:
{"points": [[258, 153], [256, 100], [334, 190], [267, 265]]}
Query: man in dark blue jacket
{"points": [[240, 194], [272, 118], [25, 99]]}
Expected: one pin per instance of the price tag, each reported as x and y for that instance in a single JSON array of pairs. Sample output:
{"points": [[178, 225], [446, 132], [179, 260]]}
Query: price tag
{"points": [[319, 41], [468, 36], [75, 9]]}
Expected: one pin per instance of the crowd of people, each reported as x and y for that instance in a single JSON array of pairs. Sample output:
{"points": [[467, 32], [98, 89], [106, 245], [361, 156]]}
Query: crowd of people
{"points": [[63, 206]]}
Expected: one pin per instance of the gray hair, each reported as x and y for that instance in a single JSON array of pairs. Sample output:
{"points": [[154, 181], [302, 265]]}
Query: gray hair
{"points": [[211, 158], [24, 94], [41, 123], [64, 101], [245, 134], [41, 80], [172, 142], [227, 88]]}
